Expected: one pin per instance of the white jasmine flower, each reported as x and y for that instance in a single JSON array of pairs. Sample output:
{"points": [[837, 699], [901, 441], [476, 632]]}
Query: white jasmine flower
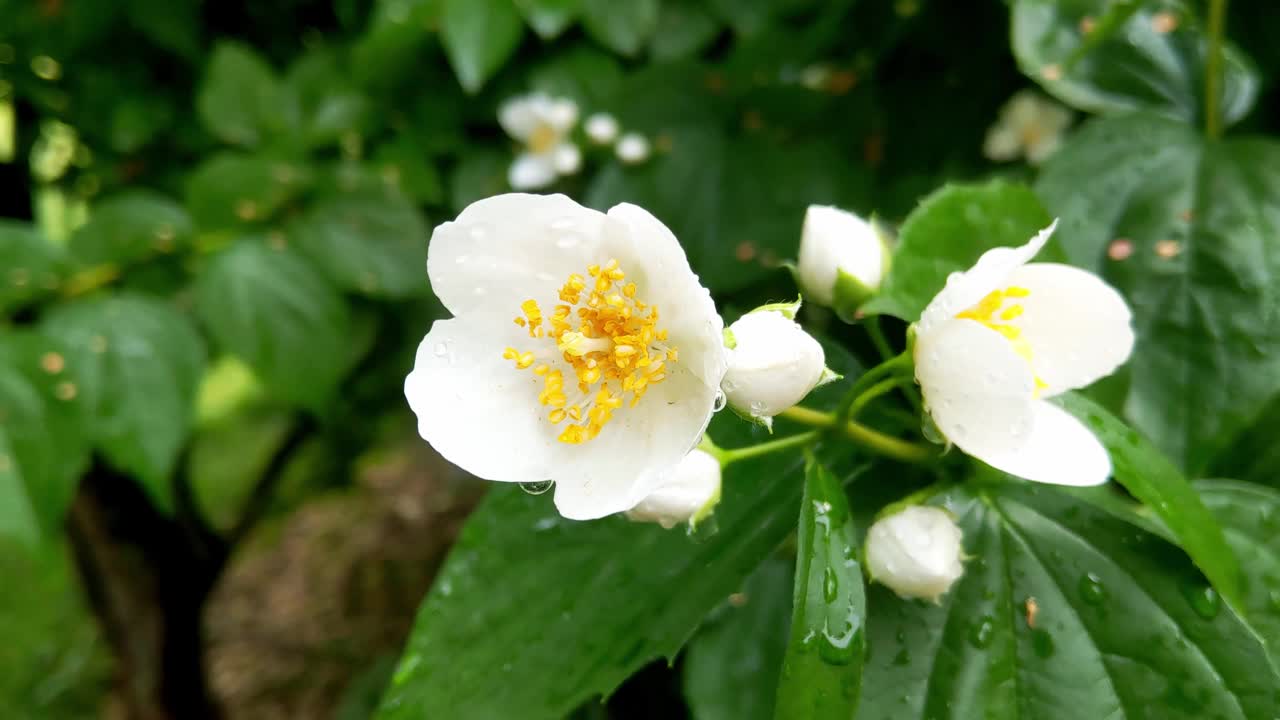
{"points": [[543, 125], [916, 552], [838, 246], [1030, 125], [602, 128], [582, 350], [632, 148], [773, 363], [1001, 338], [689, 495]]}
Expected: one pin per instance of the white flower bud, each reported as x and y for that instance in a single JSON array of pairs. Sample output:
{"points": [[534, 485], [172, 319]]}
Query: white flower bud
{"points": [[916, 552], [773, 363], [688, 496], [602, 128], [632, 148], [833, 242]]}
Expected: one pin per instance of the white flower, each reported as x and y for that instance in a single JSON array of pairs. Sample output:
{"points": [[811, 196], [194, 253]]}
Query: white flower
{"points": [[1005, 335], [582, 350], [689, 495], [773, 363], [834, 241], [632, 148], [542, 124], [602, 128], [1029, 125], [916, 552]]}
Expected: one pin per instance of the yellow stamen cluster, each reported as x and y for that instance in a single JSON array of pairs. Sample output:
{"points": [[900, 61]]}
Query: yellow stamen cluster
{"points": [[992, 312], [607, 338]]}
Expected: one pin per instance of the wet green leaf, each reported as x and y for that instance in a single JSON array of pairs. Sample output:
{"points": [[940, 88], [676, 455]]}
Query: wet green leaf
{"points": [[478, 37]]}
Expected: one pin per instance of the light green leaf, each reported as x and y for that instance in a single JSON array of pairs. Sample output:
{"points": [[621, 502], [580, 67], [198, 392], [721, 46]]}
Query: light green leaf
{"points": [[1103, 56], [1063, 611], [728, 665], [138, 362], [241, 101], [1200, 227], [229, 190], [622, 27], [131, 226], [948, 232], [549, 18], [1152, 479], [369, 240], [25, 452], [822, 671], [478, 37], [272, 309], [1250, 516], [30, 265], [583, 73]]}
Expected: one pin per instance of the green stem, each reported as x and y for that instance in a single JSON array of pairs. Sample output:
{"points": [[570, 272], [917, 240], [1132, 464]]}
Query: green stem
{"points": [[733, 455], [869, 378], [877, 338], [872, 393], [874, 440], [1213, 68]]}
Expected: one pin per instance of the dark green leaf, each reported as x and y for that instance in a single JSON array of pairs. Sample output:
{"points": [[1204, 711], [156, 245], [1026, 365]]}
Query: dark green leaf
{"points": [[585, 74], [621, 27], [1152, 479], [370, 240], [948, 232], [478, 37], [172, 24], [131, 226], [1255, 454], [404, 164], [747, 17], [25, 453], [1200, 229], [231, 190], [730, 662], [328, 105], [272, 309], [1063, 612], [30, 265], [241, 101], [1103, 56], [822, 671], [549, 18], [685, 28], [138, 362], [1250, 516], [479, 174]]}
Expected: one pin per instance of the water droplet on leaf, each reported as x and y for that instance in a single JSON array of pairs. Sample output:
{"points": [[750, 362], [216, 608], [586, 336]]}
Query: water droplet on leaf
{"points": [[536, 488]]}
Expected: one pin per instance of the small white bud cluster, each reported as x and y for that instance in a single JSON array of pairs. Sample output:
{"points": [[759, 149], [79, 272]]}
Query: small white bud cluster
{"points": [[773, 362], [916, 552]]}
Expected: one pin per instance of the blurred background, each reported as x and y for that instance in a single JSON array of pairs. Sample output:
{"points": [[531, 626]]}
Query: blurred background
{"points": [[213, 230]]}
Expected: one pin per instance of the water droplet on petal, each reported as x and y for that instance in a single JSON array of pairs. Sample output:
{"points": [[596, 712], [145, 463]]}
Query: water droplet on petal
{"points": [[479, 232], [442, 349], [719, 401], [536, 488], [565, 242], [563, 223], [480, 290]]}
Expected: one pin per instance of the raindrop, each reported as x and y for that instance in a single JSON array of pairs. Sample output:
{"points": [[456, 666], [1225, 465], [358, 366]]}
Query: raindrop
{"points": [[1091, 590], [1042, 643], [757, 406], [442, 349], [729, 386], [536, 488], [980, 635], [719, 402], [479, 232], [1204, 600], [830, 585], [564, 223]]}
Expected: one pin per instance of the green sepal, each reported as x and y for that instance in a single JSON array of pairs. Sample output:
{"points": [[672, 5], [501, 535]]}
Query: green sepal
{"points": [[788, 309], [730, 341], [762, 421]]}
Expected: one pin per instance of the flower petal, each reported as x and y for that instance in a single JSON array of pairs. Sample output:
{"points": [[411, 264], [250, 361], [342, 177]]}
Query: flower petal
{"points": [[532, 172], [1003, 143], [654, 260], [522, 115], [978, 390], [832, 239], [638, 451], [475, 408], [567, 158], [1078, 326], [505, 249], [964, 289], [1059, 450]]}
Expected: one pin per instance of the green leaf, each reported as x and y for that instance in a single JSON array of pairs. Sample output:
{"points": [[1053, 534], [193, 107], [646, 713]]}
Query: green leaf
{"points": [[230, 190], [369, 240], [1200, 224], [621, 27], [728, 664], [138, 361], [1136, 54], [684, 29], [131, 226], [241, 101], [478, 37], [1063, 611], [549, 18], [534, 614], [25, 452], [1255, 454], [406, 165], [30, 265], [584, 73], [272, 309], [171, 24], [478, 174], [1152, 479], [948, 232], [1250, 516], [747, 17], [329, 107], [822, 672]]}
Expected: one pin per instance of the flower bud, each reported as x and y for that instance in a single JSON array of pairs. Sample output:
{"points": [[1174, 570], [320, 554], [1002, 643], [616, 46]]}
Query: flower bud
{"points": [[688, 496], [916, 552], [773, 362], [602, 128], [842, 260], [632, 148]]}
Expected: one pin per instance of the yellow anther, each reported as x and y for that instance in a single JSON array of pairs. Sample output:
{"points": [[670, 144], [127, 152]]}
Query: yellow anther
{"points": [[541, 370], [623, 350], [615, 300], [1014, 291], [1011, 312], [510, 354], [557, 416], [629, 290], [520, 321]]}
